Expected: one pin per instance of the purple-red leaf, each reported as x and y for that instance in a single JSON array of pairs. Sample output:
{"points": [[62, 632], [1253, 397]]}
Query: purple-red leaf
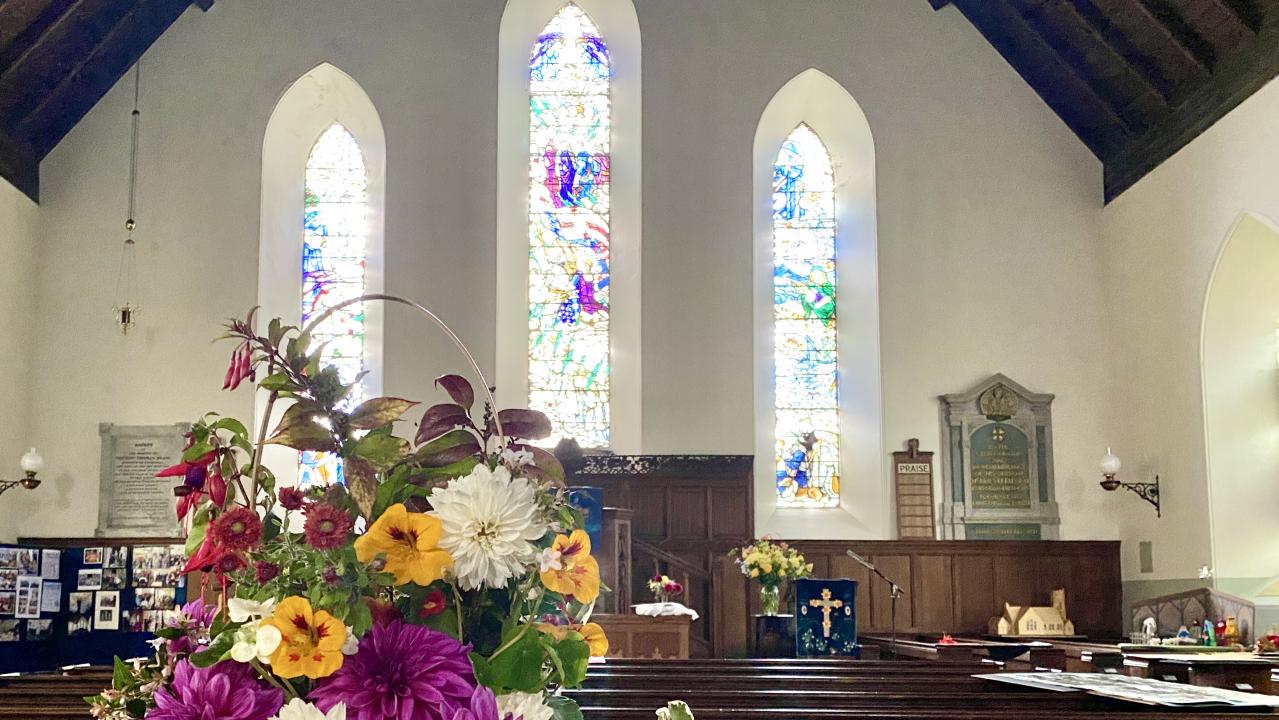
{"points": [[458, 388], [447, 449], [525, 424], [545, 465], [440, 419]]}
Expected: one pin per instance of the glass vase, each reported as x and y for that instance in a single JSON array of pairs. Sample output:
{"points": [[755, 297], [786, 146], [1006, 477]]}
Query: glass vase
{"points": [[770, 599]]}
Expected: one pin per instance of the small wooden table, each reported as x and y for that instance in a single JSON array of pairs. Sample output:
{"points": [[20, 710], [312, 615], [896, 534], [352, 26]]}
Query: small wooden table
{"points": [[641, 636], [1230, 670]]}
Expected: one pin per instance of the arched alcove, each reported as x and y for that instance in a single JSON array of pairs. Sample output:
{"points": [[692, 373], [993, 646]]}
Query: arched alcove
{"points": [[815, 100], [618, 26], [1240, 361], [322, 98]]}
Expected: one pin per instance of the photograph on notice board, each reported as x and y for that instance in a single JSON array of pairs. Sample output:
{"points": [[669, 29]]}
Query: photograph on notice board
{"points": [[39, 630], [51, 598], [28, 597], [8, 558], [7, 601], [50, 564], [115, 557], [28, 561], [106, 610], [9, 630], [158, 565], [93, 556], [8, 579], [114, 578], [79, 613], [89, 579], [154, 598]]}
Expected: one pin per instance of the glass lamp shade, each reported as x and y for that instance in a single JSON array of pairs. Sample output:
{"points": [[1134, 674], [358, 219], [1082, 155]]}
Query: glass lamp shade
{"points": [[1110, 464], [32, 462]]}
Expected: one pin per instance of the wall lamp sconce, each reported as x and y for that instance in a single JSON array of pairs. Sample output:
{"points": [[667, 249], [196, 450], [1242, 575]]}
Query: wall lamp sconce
{"points": [[31, 464], [1146, 491]]}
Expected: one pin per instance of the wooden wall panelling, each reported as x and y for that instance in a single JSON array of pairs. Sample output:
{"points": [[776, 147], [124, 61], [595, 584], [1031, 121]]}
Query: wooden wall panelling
{"points": [[973, 588], [932, 596]]}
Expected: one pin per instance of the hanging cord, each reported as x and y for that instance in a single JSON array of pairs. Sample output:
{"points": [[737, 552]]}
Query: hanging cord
{"points": [[126, 274]]}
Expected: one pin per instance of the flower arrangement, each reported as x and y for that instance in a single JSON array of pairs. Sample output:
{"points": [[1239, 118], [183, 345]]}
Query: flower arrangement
{"points": [[664, 588], [1268, 644], [448, 577], [770, 564]]}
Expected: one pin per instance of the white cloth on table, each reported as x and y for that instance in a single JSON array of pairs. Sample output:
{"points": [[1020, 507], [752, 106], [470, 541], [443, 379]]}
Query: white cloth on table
{"points": [[664, 609]]}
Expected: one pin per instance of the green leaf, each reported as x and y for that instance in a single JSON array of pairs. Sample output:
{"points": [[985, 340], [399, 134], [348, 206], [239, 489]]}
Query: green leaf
{"points": [[675, 710], [120, 674], [300, 430], [453, 470], [136, 707], [196, 451], [381, 450], [575, 656], [519, 667], [361, 484], [231, 425], [198, 526], [373, 414], [220, 646], [564, 708], [276, 382]]}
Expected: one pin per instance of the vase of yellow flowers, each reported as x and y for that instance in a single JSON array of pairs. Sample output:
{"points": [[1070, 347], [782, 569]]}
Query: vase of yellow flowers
{"points": [[771, 565]]}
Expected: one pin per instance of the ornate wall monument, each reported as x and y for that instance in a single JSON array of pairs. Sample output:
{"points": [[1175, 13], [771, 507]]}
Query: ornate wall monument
{"points": [[997, 457]]}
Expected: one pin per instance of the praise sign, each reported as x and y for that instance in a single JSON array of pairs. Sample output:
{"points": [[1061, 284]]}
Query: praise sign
{"points": [[913, 479]]}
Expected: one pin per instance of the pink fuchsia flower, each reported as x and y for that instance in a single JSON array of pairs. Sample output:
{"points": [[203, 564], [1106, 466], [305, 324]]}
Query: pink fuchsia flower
{"points": [[241, 366], [238, 529], [402, 672], [326, 526], [226, 691], [292, 498]]}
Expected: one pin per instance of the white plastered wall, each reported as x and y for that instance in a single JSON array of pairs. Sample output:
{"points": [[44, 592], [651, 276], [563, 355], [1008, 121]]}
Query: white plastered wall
{"points": [[19, 246]]}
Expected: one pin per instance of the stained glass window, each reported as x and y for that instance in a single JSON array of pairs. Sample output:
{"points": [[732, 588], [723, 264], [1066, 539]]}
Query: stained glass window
{"points": [[805, 351], [335, 228], [569, 136]]}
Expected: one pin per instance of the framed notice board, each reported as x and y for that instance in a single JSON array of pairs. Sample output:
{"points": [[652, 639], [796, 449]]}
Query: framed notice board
{"points": [[913, 480]]}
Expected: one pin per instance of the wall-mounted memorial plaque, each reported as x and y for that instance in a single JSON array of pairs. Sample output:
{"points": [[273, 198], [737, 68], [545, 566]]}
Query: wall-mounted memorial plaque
{"points": [[132, 502], [998, 464], [913, 480]]}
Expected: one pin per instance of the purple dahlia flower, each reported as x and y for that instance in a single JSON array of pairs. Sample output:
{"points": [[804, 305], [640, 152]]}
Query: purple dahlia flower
{"points": [[402, 672], [483, 706], [226, 691]]}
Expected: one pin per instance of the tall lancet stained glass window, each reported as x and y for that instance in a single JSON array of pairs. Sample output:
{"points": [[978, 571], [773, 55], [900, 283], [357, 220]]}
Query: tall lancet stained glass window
{"points": [[568, 292], [335, 230], [805, 348]]}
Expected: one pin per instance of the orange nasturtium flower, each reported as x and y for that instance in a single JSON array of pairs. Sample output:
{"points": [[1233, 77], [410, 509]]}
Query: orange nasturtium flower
{"points": [[410, 541], [312, 640], [577, 574], [592, 633]]}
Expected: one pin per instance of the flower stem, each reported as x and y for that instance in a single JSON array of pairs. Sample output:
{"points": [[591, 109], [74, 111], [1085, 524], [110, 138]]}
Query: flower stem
{"points": [[257, 449], [457, 603], [266, 675], [537, 600]]}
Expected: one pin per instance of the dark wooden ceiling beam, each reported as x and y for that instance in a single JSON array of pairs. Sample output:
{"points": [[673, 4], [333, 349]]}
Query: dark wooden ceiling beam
{"points": [[1238, 77], [20, 166], [1195, 45], [1248, 12], [1078, 43], [1140, 58], [1059, 83], [23, 22], [1139, 28], [81, 88], [25, 83]]}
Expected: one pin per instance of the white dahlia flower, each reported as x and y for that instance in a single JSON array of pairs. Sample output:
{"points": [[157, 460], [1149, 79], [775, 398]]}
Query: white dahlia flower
{"points": [[523, 706], [302, 710], [490, 522]]}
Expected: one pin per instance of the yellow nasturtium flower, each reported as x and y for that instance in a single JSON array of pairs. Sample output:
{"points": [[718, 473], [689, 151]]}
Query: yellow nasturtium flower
{"points": [[592, 633], [578, 573], [410, 541], [311, 642]]}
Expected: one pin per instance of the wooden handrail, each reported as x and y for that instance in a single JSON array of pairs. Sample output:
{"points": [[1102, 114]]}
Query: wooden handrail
{"points": [[660, 554]]}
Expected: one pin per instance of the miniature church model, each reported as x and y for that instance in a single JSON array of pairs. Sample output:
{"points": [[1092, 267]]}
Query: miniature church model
{"points": [[1025, 621]]}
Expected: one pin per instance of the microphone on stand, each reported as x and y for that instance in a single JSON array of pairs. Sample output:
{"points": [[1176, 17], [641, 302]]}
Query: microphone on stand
{"points": [[894, 591]]}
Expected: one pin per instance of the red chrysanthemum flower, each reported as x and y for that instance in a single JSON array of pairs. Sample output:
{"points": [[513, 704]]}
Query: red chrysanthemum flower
{"points": [[330, 575], [264, 572], [238, 529], [434, 604], [292, 498], [230, 563], [326, 527]]}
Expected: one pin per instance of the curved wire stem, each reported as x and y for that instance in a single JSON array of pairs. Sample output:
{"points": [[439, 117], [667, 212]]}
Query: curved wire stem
{"points": [[475, 366]]}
